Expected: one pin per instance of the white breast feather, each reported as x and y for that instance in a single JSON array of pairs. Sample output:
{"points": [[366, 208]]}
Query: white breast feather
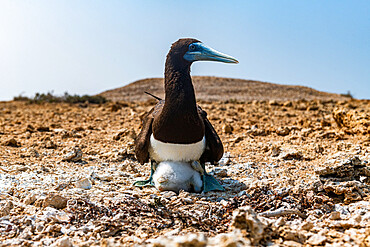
{"points": [[161, 151]]}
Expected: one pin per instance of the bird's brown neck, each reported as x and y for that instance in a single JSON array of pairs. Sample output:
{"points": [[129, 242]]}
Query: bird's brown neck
{"points": [[179, 90], [179, 121]]}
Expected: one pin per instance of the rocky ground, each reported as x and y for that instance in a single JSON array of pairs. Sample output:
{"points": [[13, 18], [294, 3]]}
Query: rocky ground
{"points": [[296, 173]]}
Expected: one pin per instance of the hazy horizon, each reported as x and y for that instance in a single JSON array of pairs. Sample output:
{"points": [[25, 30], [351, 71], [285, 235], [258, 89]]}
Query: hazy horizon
{"points": [[87, 47]]}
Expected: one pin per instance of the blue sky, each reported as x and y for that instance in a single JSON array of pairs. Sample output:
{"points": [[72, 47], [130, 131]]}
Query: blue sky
{"points": [[87, 46]]}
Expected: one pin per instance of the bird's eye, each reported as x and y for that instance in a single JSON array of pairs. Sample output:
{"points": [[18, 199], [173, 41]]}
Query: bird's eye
{"points": [[192, 47]]}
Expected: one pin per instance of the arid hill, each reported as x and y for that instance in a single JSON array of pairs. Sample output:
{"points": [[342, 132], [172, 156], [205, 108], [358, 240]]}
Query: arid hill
{"points": [[211, 88]]}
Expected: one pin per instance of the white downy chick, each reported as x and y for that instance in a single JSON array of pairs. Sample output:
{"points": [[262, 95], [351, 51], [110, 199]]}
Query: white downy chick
{"points": [[176, 176]]}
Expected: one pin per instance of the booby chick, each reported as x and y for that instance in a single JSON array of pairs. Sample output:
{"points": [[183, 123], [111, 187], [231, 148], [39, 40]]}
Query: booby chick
{"points": [[176, 176], [176, 130]]}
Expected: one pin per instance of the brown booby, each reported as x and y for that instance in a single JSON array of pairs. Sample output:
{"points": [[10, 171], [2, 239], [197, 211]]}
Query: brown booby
{"points": [[177, 129]]}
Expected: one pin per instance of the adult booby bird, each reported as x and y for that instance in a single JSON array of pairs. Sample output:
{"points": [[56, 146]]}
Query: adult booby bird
{"points": [[176, 130]]}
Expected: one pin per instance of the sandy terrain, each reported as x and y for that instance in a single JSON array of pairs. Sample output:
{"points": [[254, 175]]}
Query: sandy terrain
{"points": [[296, 173]]}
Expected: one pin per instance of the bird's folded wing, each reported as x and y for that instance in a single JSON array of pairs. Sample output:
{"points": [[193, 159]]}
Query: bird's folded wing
{"points": [[214, 148], [143, 139]]}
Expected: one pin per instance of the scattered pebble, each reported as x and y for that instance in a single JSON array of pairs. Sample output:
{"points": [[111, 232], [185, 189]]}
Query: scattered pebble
{"points": [[245, 218], [307, 225], [335, 215], [63, 242], [316, 239], [227, 128], [30, 199], [56, 201], [12, 143], [291, 155], [283, 131], [75, 155], [84, 183], [5, 208]]}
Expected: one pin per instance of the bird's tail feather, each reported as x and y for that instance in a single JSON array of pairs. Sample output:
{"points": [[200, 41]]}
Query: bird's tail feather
{"points": [[157, 98]]}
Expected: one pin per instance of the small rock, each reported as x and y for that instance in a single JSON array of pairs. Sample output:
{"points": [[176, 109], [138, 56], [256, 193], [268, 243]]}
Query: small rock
{"points": [[49, 144], [43, 129], [306, 131], [351, 190], [223, 203], [291, 155], [275, 151], [316, 239], [84, 183], [5, 208], [120, 134], [335, 215], [227, 128], [357, 218], [291, 243], [342, 166], [74, 156], [325, 123], [63, 242], [115, 107], [273, 102], [232, 239], [106, 177], [308, 225], [30, 198], [319, 149], [12, 143], [242, 193], [241, 109], [294, 235], [168, 194], [122, 155], [283, 131], [280, 222], [187, 200], [312, 108], [30, 128], [54, 200], [39, 226], [79, 128], [255, 131], [52, 214], [220, 172], [193, 239], [341, 118], [244, 218], [33, 153], [61, 186], [26, 234], [225, 160]]}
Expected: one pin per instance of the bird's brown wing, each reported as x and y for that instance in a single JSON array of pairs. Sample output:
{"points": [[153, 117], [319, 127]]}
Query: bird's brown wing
{"points": [[143, 139], [214, 148]]}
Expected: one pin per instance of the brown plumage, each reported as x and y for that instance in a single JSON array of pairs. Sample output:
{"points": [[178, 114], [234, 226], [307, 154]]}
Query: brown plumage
{"points": [[178, 119]]}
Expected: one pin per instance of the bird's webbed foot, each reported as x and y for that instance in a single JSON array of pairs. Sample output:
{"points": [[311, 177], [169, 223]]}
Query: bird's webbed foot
{"points": [[148, 182], [209, 182]]}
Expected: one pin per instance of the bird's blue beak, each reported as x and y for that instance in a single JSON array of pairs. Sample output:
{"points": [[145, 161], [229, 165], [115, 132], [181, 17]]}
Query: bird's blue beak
{"points": [[200, 52]]}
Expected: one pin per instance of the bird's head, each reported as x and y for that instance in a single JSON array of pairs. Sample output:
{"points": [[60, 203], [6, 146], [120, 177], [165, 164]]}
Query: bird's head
{"points": [[186, 51]]}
